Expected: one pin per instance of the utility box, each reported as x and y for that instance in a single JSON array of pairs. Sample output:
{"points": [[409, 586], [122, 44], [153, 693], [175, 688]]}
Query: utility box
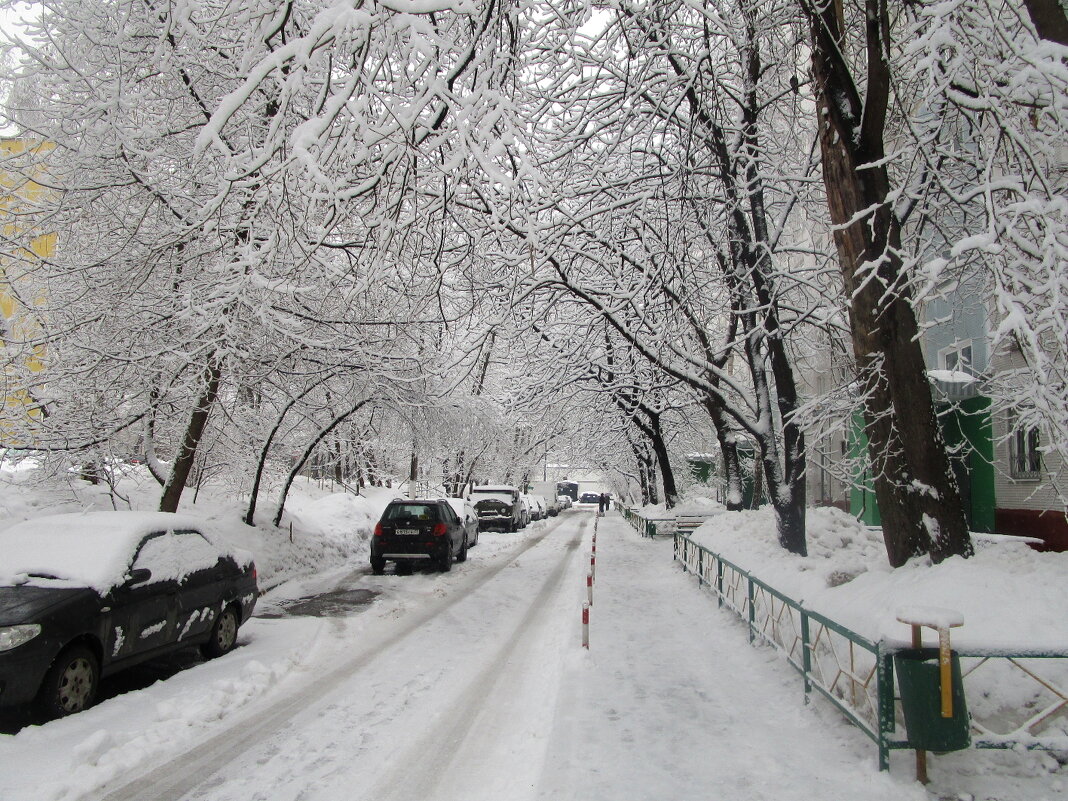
{"points": [[918, 679]]}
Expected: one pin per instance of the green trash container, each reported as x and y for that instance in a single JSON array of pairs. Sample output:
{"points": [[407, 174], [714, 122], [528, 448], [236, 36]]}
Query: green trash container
{"points": [[918, 679]]}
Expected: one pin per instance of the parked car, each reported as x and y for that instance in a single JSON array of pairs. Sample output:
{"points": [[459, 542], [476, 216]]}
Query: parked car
{"points": [[537, 507], [418, 530], [498, 507], [564, 500], [528, 513], [86, 595], [552, 507], [465, 510]]}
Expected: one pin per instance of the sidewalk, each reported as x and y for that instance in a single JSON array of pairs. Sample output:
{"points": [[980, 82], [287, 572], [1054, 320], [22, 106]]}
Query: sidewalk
{"points": [[671, 703]]}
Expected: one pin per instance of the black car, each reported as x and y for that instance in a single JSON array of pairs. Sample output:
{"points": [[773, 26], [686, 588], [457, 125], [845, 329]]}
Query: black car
{"points": [[498, 507], [413, 531], [86, 595]]}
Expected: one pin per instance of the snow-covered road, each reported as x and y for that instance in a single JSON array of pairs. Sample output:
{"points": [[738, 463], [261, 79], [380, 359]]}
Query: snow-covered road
{"points": [[415, 701], [473, 685]]}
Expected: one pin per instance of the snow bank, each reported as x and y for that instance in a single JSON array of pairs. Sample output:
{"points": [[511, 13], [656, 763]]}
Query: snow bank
{"points": [[321, 528], [1010, 596]]}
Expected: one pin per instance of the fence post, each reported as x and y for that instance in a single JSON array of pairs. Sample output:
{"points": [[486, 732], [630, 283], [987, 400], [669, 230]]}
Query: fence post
{"points": [[752, 612], [700, 566], [806, 654], [719, 580], [884, 692]]}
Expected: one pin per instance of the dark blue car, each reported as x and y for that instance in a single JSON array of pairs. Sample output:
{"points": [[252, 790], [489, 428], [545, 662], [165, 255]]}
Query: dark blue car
{"points": [[86, 595]]}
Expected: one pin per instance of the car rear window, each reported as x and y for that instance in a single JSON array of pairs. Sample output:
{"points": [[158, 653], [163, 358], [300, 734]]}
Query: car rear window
{"points": [[411, 511]]}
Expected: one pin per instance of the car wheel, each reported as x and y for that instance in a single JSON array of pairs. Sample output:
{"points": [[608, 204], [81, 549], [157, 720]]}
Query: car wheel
{"points": [[445, 565], [462, 555], [378, 566], [223, 634], [70, 684]]}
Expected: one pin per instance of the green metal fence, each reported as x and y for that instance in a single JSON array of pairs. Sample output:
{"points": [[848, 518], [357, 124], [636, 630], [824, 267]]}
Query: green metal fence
{"points": [[856, 674], [649, 526]]}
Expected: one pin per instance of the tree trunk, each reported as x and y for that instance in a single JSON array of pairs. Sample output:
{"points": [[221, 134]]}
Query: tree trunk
{"points": [[308, 452], [183, 461], [917, 494], [1049, 19], [261, 465], [667, 475]]}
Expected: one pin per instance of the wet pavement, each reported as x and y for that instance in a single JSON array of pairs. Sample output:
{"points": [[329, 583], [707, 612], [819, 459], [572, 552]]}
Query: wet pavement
{"points": [[336, 603]]}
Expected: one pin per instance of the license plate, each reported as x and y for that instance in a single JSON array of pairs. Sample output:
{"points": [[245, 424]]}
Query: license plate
{"points": [[407, 532]]}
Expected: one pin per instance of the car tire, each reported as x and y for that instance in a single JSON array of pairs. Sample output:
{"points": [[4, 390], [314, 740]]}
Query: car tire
{"points": [[445, 565], [223, 636], [462, 555], [70, 684], [378, 566]]}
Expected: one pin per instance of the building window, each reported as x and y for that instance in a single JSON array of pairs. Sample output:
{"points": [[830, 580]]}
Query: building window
{"points": [[957, 356], [1025, 460]]}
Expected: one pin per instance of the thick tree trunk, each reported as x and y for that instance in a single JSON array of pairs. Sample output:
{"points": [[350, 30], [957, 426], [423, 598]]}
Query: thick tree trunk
{"points": [[667, 474], [1049, 19], [917, 494], [183, 461]]}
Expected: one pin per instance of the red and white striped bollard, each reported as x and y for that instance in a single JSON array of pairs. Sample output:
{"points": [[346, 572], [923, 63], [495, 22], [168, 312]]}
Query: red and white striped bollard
{"points": [[586, 626]]}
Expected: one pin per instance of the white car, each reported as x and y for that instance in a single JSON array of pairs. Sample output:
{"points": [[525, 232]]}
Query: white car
{"points": [[526, 508], [538, 509], [465, 510]]}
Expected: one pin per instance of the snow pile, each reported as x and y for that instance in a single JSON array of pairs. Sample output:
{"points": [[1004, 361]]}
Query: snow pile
{"points": [[321, 527], [1011, 597], [158, 724], [689, 504]]}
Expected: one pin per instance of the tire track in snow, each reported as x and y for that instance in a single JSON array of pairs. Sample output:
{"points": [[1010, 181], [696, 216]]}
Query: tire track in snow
{"points": [[176, 778], [482, 718]]}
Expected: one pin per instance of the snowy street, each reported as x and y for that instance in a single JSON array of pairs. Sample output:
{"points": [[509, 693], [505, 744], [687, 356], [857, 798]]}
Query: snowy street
{"points": [[473, 685]]}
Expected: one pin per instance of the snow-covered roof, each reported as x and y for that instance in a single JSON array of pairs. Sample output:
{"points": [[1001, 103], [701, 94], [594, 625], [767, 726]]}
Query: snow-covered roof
{"points": [[495, 488], [91, 549]]}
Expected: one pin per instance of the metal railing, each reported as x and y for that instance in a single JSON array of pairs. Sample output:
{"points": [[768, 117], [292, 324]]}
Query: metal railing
{"points": [[649, 526], [1016, 705]]}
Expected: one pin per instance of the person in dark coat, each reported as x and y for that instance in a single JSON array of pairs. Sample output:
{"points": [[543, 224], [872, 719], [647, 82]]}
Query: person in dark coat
{"points": [[602, 503]]}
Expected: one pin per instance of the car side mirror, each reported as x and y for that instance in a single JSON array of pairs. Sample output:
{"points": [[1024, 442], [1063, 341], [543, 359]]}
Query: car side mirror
{"points": [[139, 575]]}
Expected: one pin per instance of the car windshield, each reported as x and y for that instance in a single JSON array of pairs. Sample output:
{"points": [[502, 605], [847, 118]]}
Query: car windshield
{"points": [[419, 512], [500, 497]]}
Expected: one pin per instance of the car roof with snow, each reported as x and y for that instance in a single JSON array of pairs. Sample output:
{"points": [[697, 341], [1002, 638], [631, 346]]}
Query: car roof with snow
{"points": [[90, 549], [495, 488]]}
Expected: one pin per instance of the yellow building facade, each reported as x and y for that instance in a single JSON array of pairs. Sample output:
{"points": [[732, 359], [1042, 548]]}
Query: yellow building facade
{"points": [[22, 297]]}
